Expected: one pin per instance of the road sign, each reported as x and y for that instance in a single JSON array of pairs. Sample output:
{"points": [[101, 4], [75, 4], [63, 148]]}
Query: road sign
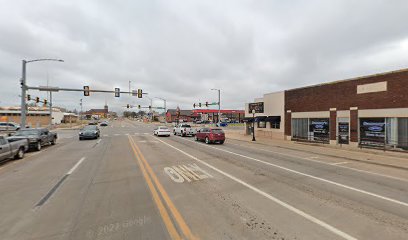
{"points": [[86, 91], [48, 89], [117, 92]]}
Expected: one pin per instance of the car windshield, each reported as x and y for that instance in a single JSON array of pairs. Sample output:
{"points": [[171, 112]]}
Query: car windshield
{"points": [[27, 133], [217, 131], [89, 128]]}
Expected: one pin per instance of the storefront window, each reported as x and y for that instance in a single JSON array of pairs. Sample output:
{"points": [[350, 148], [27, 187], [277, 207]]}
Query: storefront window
{"points": [[372, 131], [275, 125], [262, 124], [319, 129]]}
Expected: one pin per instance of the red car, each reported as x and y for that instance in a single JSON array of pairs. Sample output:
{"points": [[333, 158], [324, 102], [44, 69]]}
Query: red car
{"points": [[210, 135]]}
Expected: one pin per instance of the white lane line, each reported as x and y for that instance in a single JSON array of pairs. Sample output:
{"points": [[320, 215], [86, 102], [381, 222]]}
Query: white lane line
{"points": [[75, 166], [97, 142], [327, 163], [310, 176], [339, 163], [106, 135], [270, 197], [116, 134]]}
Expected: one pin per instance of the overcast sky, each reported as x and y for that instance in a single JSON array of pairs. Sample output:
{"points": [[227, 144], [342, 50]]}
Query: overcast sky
{"points": [[179, 50]]}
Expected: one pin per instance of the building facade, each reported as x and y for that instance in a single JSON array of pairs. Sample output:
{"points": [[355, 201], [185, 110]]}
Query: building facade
{"points": [[370, 110], [268, 118], [97, 113], [212, 115], [185, 115]]}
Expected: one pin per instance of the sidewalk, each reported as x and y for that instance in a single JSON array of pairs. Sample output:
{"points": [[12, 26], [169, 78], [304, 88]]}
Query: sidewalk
{"points": [[371, 156]]}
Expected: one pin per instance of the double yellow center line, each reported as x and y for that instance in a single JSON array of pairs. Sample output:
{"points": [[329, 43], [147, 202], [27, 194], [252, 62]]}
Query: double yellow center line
{"points": [[157, 190]]}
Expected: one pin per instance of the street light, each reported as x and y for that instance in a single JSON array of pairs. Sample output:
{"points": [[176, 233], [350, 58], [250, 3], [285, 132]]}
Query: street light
{"points": [[24, 87], [219, 104], [253, 125], [164, 100], [151, 107]]}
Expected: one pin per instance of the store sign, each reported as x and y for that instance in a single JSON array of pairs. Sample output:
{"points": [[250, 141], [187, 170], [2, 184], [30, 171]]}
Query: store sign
{"points": [[343, 132], [258, 106], [319, 128], [372, 128]]}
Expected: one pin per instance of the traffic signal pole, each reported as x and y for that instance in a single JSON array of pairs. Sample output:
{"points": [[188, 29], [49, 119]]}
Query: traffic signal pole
{"points": [[23, 95]]}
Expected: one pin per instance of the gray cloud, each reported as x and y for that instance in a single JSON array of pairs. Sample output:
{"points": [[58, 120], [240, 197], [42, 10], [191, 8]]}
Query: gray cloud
{"points": [[179, 50]]}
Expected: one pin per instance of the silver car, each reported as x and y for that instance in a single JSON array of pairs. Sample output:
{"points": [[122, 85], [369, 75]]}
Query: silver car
{"points": [[9, 126]]}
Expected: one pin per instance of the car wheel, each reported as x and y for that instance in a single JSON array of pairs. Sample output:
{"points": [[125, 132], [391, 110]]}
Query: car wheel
{"points": [[38, 147], [80, 139], [174, 132], [222, 142], [20, 154], [207, 140], [53, 141]]}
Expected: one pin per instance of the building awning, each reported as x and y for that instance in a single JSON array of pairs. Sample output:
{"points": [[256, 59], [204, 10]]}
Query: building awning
{"points": [[248, 119], [273, 119], [257, 119], [260, 119]]}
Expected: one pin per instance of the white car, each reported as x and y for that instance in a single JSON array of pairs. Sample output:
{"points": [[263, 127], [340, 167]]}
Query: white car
{"points": [[184, 130], [162, 131]]}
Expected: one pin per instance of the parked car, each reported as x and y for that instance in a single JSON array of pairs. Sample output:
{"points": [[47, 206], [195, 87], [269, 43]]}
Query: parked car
{"points": [[37, 137], [162, 131], [9, 126], [89, 132], [184, 130], [93, 123], [104, 124], [210, 135], [13, 148]]}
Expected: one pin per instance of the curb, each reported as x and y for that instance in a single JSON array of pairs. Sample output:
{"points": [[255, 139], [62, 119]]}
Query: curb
{"points": [[330, 155]]}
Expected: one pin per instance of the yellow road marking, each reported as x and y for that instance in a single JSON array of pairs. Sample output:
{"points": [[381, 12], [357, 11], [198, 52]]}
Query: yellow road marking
{"points": [[162, 210], [176, 214]]}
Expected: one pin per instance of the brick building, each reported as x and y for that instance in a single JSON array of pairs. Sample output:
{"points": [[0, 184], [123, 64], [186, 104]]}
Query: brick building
{"points": [[185, 115], [370, 110]]}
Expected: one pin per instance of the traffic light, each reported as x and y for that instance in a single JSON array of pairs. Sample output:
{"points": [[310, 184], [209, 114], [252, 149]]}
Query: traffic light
{"points": [[37, 99], [206, 104], [28, 97], [45, 102], [117, 92], [86, 91], [138, 106], [139, 93], [199, 104], [150, 107], [127, 106], [194, 105]]}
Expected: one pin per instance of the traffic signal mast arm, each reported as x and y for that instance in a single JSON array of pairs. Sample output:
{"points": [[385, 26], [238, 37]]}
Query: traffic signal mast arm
{"points": [[57, 89], [206, 104]]}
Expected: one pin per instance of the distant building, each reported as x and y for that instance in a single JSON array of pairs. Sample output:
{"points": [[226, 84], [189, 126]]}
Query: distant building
{"points": [[36, 116], [99, 113], [185, 115]]}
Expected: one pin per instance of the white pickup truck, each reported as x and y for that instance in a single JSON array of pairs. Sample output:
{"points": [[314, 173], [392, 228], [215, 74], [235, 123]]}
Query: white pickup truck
{"points": [[15, 148], [184, 130]]}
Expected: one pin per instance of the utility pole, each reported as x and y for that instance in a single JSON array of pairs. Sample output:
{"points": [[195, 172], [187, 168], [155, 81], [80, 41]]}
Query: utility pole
{"points": [[219, 104], [50, 109], [24, 88], [80, 114], [23, 95]]}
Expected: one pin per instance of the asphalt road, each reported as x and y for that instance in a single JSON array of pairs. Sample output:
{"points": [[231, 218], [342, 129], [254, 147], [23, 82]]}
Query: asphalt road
{"points": [[133, 185]]}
